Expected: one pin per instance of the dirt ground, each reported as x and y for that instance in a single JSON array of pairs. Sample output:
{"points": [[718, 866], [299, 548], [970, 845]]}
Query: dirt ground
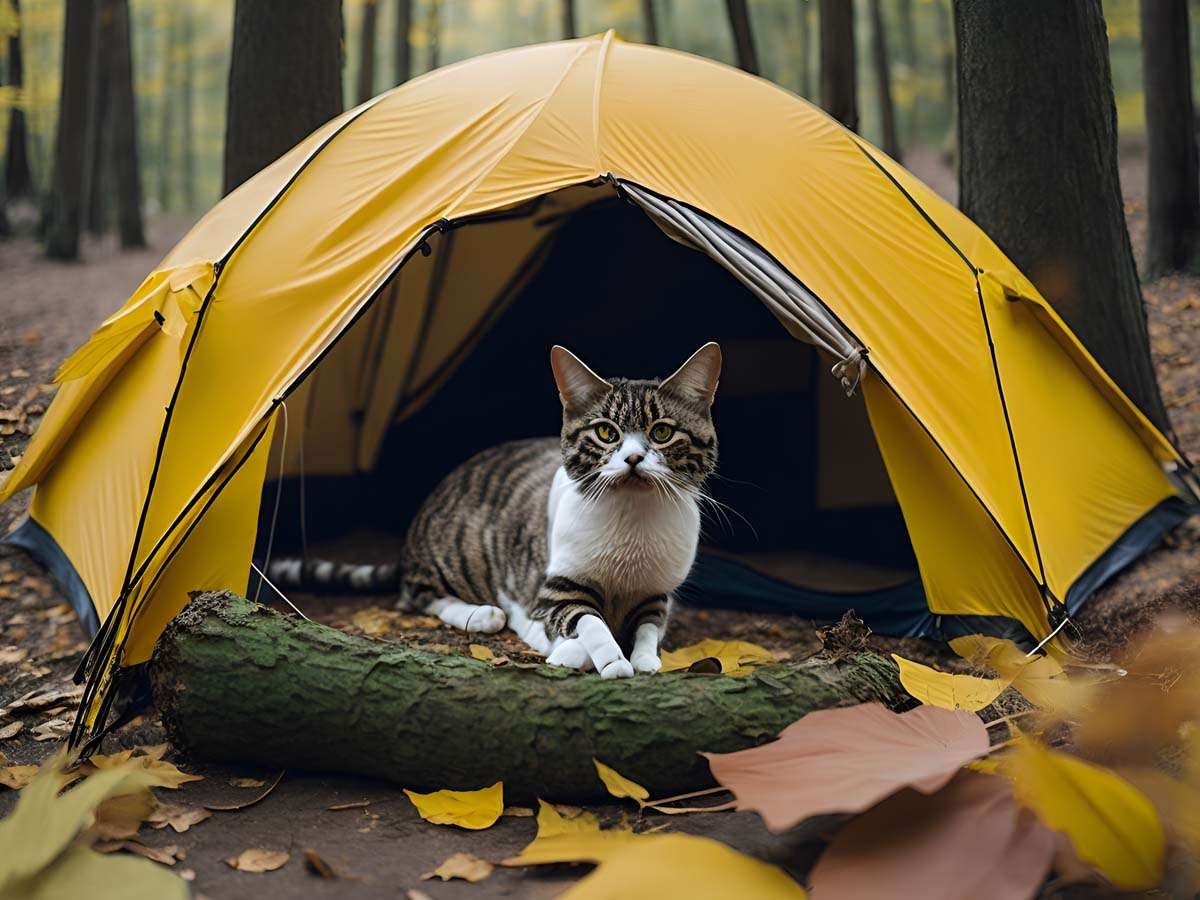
{"points": [[47, 309]]}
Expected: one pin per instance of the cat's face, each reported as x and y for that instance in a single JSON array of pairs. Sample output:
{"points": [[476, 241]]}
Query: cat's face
{"points": [[625, 435]]}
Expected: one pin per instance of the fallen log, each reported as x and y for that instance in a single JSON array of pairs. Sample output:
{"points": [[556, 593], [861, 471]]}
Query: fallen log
{"points": [[239, 682]]}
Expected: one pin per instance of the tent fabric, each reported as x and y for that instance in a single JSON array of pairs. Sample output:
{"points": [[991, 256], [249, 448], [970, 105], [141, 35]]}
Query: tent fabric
{"points": [[1016, 460]]}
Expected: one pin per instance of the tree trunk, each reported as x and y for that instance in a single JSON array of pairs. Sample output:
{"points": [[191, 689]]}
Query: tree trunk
{"points": [[366, 49], [743, 35], [1052, 199], [434, 31], [186, 91], [649, 22], [883, 82], [124, 129], [97, 180], [839, 82], [908, 39], [1174, 187], [235, 681], [275, 102], [66, 190], [805, 37], [18, 179], [946, 56], [568, 19], [403, 46], [166, 104]]}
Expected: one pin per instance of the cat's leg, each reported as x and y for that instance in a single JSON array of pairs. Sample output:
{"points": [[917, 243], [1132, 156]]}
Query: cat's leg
{"points": [[531, 631], [573, 610], [467, 616], [648, 620]]}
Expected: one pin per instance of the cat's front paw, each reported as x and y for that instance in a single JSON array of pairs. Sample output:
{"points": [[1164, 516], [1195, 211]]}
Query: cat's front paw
{"points": [[647, 663], [570, 654], [618, 668]]}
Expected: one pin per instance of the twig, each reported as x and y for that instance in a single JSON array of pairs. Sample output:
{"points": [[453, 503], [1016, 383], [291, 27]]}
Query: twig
{"points": [[236, 806]]}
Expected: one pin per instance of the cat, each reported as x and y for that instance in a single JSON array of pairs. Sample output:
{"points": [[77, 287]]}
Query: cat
{"points": [[576, 543]]}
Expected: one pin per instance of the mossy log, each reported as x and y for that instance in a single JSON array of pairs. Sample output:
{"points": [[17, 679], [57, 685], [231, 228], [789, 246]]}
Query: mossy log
{"points": [[239, 682]]}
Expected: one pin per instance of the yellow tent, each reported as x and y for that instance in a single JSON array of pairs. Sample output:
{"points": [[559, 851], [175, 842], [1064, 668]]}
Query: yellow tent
{"points": [[374, 266]]}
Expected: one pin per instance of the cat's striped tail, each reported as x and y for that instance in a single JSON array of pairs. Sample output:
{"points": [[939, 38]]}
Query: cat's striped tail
{"points": [[323, 576]]}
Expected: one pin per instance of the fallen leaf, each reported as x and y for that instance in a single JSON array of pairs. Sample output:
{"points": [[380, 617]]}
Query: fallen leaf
{"points": [[247, 782], [414, 894], [353, 804], [946, 690], [315, 864], [80, 872], [517, 811], [1040, 679], [258, 859], [678, 865], [577, 839], [1111, 824], [736, 657], [119, 817], [11, 730], [234, 807], [10, 656], [970, 839], [618, 785], [847, 760], [466, 809], [166, 855], [165, 774], [50, 730], [16, 777], [178, 816], [461, 865], [481, 653]]}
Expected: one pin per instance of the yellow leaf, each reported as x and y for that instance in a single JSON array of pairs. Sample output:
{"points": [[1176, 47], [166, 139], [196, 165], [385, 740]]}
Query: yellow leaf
{"points": [[736, 657], [570, 840], [678, 865], [481, 653], [618, 785], [466, 809], [1111, 824], [80, 872], [257, 859], [16, 777], [1040, 679], [462, 865], [162, 773], [945, 690]]}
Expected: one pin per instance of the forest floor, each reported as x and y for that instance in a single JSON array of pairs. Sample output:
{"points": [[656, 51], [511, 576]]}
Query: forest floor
{"points": [[47, 309]]}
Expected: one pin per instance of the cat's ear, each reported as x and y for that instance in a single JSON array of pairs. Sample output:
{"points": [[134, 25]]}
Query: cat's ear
{"points": [[697, 378], [578, 386]]}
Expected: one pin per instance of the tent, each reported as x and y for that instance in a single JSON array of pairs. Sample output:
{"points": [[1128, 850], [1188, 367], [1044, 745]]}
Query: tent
{"points": [[909, 424]]}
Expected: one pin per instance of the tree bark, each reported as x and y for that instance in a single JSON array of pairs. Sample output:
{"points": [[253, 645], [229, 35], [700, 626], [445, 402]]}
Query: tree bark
{"points": [[1174, 186], [187, 95], [839, 82], [18, 178], [883, 82], [124, 129], [805, 38], [66, 190], [166, 104], [97, 180], [235, 681], [366, 49], [912, 65], [275, 102], [1037, 141], [434, 31], [743, 35], [649, 22], [402, 50], [568, 19]]}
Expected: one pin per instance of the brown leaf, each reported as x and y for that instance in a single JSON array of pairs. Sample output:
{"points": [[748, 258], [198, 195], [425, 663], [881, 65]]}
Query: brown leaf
{"points": [[970, 839], [258, 859], [119, 817], [11, 730], [178, 816], [167, 855], [353, 804], [10, 656], [247, 782], [16, 777], [234, 807], [518, 812], [315, 864], [847, 760], [462, 865], [50, 730]]}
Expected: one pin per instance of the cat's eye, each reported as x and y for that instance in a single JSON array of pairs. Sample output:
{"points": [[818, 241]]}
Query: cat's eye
{"points": [[661, 433], [606, 432]]}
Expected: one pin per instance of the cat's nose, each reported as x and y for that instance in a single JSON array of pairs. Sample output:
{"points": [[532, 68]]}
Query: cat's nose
{"points": [[633, 459]]}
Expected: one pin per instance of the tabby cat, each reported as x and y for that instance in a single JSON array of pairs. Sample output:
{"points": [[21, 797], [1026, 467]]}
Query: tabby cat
{"points": [[577, 542]]}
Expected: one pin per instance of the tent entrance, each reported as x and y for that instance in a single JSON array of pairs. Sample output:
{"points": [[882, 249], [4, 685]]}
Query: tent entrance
{"points": [[453, 358]]}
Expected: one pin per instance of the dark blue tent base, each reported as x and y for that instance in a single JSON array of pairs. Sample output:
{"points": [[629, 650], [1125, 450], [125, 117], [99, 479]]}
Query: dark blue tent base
{"points": [[721, 582]]}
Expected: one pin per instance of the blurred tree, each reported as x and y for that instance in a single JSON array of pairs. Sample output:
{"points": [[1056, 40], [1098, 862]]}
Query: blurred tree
{"points": [[839, 86], [912, 70], [568, 19], [1174, 186], [403, 46], [98, 150], [274, 102], [883, 81], [1052, 199], [124, 145], [366, 52], [62, 215], [433, 33], [649, 22], [805, 19], [18, 179], [166, 105], [743, 36], [185, 89]]}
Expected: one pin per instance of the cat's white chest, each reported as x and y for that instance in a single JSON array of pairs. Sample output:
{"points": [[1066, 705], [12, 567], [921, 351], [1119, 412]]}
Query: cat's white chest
{"points": [[632, 545]]}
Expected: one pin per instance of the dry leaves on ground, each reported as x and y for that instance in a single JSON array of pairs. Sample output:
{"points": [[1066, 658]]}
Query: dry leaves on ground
{"points": [[474, 810], [148, 759], [846, 760], [315, 863], [247, 782], [179, 817], [258, 859], [461, 865], [563, 840], [942, 689], [736, 657]]}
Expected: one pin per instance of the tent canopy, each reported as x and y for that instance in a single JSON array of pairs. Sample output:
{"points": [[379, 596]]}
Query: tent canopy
{"points": [[1024, 474]]}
